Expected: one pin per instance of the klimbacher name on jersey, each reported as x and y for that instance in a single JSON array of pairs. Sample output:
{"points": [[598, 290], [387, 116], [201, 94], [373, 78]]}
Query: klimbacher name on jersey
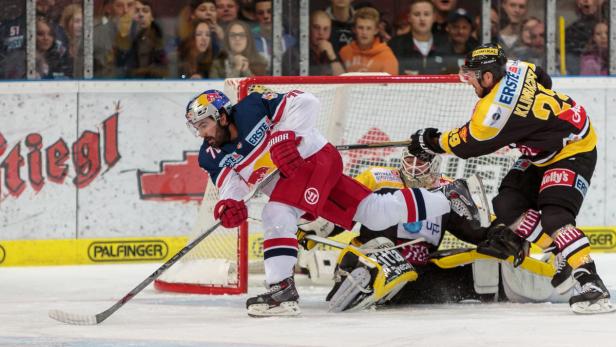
{"points": [[527, 97]]}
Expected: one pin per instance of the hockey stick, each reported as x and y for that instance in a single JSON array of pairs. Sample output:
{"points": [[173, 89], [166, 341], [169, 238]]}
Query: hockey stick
{"points": [[336, 244], [374, 145], [82, 319]]}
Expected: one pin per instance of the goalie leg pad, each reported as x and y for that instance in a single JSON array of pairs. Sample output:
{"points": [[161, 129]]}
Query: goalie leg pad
{"points": [[363, 280], [355, 292]]}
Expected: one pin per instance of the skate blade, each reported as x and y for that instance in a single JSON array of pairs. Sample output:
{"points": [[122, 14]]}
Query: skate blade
{"points": [[601, 306], [285, 309]]}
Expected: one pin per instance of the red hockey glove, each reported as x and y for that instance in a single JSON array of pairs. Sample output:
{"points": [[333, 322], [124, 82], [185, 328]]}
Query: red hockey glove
{"points": [[284, 152], [232, 213]]}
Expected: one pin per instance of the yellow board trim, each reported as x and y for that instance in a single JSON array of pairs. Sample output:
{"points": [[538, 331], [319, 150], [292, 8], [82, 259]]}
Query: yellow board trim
{"points": [[75, 252], [89, 251]]}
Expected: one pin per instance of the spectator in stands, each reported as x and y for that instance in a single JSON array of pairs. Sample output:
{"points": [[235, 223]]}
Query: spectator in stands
{"points": [[341, 13], [511, 23], [525, 49], [72, 24], [459, 28], [595, 57], [324, 60], [384, 30], [419, 52], [366, 53], [443, 9], [204, 10], [401, 24], [227, 11], [13, 40], [239, 58], [54, 62], [148, 58], [102, 14], [49, 10], [113, 40], [580, 32], [247, 11], [494, 26], [537, 43], [263, 32], [196, 52]]}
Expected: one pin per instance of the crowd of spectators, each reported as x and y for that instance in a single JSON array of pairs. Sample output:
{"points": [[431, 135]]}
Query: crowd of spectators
{"points": [[233, 38]]}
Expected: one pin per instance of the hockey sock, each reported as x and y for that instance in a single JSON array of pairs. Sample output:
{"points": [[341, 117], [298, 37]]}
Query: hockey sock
{"points": [[573, 245], [528, 227]]}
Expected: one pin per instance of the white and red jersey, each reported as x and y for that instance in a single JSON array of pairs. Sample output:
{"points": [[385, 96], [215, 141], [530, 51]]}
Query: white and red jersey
{"points": [[245, 160]]}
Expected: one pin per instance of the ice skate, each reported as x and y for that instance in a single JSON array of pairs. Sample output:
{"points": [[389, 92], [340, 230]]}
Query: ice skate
{"points": [[280, 300], [594, 297]]}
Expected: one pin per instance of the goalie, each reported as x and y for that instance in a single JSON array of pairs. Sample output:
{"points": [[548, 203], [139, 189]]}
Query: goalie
{"points": [[371, 271]]}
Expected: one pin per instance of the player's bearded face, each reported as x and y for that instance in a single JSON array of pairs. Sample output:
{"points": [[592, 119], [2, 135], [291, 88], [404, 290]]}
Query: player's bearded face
{"points": [[211, 131]]}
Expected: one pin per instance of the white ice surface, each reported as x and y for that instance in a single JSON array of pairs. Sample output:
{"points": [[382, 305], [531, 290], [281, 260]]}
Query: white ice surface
{"points": [[157, 319]]}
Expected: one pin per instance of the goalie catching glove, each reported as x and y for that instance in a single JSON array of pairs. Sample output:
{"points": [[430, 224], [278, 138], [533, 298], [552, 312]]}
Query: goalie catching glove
{"points": [[363, 280], [284, 152], [232, 213]]}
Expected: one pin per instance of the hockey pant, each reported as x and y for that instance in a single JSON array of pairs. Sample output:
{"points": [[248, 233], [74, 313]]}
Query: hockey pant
{"points": [[556, 190]]}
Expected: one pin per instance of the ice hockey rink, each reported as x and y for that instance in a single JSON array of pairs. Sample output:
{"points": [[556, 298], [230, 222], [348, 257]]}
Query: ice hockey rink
{"points": [[156, 319]]}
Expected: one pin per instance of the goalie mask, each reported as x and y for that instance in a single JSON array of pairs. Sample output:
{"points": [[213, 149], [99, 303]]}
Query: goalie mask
{"points": [[420, 172], [207, 104]]}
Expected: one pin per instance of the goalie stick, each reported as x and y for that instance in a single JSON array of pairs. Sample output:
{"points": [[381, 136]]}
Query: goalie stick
{"points": [[83, 319]]}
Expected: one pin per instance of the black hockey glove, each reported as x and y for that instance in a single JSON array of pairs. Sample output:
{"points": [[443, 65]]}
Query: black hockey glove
{"points": [[502, 243], [424, 144]]}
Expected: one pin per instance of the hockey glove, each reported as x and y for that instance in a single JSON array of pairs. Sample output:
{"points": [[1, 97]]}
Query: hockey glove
{"points": [[284, 153], [232, 213], [424, 144], [502, 243]]}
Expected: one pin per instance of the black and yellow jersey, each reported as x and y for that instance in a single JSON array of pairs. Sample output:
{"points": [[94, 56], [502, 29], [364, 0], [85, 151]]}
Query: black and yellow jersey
{"points": [[544, 125]]}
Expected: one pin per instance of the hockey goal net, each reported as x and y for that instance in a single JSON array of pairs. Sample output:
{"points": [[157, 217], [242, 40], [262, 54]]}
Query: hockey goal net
{"points": [[354, 109]]}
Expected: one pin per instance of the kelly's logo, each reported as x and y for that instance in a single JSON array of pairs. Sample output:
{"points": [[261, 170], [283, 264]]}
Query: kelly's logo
{"points": [[2, 254], [139, 250], [601, 239]]}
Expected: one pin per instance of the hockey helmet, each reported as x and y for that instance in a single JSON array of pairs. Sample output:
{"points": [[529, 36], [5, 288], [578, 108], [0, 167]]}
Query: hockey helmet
{"points": [[487, 57], [207, 104], [420, 172]]}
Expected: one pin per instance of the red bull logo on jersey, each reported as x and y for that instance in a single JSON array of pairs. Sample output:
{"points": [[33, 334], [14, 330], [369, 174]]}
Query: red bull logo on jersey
{"points": [[557, 177]]}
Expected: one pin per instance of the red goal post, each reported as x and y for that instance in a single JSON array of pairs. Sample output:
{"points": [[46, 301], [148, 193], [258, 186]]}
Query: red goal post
{"points": [[354, 109]]}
